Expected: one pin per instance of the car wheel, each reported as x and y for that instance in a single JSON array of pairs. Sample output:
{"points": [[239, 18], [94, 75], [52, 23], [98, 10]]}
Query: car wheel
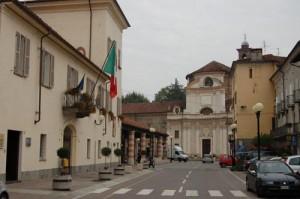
{"points": [[259, 192], [4, 196], [179, 159], [222, 165], [185, 160]]}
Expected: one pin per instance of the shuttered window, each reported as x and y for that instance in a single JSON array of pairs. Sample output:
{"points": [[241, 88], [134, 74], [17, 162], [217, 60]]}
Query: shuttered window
{"points": [[89, 86], [47, 69], [88, 149], [22, 54], [72, 78], [108, 101], [100, 100], [119, 106]]}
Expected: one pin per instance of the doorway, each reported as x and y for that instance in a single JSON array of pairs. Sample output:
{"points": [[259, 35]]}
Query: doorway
{"points": [[68, 144], [13, 155], [205, 146]]}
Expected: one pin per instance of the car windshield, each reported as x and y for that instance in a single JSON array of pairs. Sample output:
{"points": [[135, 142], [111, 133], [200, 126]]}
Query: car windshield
{"points": [[274, 167]]}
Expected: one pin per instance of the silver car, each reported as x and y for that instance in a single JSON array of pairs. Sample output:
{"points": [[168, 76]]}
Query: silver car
{"points": [[3, 192], [207, 158]]}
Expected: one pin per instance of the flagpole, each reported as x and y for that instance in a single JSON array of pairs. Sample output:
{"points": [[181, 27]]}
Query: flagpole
{"points": [[98, 77]]}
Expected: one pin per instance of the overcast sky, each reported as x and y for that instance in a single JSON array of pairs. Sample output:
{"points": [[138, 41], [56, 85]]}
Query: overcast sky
{"points": [[170, 38]]}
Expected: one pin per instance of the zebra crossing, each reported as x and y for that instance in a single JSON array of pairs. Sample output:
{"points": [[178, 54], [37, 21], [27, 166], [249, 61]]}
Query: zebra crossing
{"points": [[171, 192]]}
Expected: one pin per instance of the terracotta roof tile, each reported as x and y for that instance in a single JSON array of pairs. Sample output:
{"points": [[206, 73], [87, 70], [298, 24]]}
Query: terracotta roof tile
{"points": [[154, 107], [212, 66]]}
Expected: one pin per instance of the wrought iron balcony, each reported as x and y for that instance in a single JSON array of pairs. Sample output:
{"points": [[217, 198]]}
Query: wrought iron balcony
{"points": [[290, 101], [280, 131], [297, 95], [280, 107], [80, 105]]}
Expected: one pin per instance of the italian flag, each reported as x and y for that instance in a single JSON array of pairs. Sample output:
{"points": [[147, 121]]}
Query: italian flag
{"points": [[109, 67]]}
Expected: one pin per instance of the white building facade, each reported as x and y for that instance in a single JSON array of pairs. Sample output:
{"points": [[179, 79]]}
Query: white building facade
{"points": [[37, 67], [202, 127], [286, 81]]}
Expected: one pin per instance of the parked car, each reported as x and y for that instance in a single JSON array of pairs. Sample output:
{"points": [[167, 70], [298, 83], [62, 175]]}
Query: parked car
{"points": [[3, 192], [266, 176], [225, 160], [207, 158], [253, 160], [294, 162]]}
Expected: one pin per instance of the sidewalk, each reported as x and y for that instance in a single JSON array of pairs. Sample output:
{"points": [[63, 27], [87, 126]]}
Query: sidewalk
{"points": [[81, 185]]}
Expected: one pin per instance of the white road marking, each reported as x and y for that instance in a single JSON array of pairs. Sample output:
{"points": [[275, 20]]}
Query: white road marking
{"points": [[180, 189], [184, 181], [145, 192], [101, 190], [168, 193], [237, 193], [215, 193], [191, 193], [122, 191]]}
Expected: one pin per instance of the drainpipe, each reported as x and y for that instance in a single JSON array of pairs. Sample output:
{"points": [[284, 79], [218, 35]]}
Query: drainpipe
{"points": [[91, 28], [40, 77], [283, 86]]}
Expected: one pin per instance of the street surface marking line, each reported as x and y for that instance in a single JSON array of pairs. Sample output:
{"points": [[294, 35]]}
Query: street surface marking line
{"points": [[30, 191], [145, 192], [122, 191], [237, 193], [191, 193], [180, 189], [101, 190], [133, 184], [215, 193], [168, 193], [184, 181], [237, 177]]}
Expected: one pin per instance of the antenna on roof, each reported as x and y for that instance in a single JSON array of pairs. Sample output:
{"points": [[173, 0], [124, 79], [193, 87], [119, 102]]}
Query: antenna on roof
{"points": [[278, 53], [265, 46], [245, 37]]}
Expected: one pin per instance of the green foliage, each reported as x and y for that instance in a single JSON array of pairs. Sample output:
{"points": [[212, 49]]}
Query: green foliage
{"points": [[170, 93], [106, 151], [63, 153], [134, 97], [118, 152], [266, 141]]}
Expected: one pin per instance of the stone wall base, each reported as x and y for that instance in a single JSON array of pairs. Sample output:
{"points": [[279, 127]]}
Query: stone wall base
{"points": [[50, 173]]}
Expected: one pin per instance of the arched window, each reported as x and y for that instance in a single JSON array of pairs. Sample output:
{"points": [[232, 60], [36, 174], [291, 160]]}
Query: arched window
{"points": [[206, 111], [244, 56], [208, 82]]}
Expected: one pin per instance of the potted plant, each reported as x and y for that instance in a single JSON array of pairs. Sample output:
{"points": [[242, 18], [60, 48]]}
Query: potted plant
{"points": [[119, 170], [64, 180], [106, 173]]}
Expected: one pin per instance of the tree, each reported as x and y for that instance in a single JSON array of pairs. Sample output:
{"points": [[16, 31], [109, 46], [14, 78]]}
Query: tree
{"points": [[134, 97], [106, 151], [170, 93]]}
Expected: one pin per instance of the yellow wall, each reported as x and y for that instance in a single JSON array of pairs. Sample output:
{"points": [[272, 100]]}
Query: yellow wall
{"points": [[249, 92]]}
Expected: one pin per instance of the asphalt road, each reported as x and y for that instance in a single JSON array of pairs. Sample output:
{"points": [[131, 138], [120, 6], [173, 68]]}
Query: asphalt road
{"points": [[179, 180]]}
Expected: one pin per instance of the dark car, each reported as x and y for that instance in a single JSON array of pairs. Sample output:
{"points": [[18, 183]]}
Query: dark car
{"points": [[3, 192], [225, 160], [272, 177], [253, 160]]}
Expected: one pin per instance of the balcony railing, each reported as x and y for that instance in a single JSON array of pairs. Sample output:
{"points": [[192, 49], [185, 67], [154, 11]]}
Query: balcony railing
{"points": [[280, 107], [279, 131], [297, 95], [290, 100], [82, 105]]}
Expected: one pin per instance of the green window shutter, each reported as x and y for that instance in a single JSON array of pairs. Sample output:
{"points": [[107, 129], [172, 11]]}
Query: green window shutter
{"points": [[52, 72], [27, 55], [17, 53], [69, 77], [43, 68]]}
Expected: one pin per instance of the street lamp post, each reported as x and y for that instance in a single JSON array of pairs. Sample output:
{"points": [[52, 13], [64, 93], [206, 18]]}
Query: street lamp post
{"points": [[257, 108], [171, 158], [233, 129]]}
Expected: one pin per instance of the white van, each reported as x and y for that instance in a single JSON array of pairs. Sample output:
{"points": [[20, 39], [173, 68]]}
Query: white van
{"points": [[177, 154]]}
